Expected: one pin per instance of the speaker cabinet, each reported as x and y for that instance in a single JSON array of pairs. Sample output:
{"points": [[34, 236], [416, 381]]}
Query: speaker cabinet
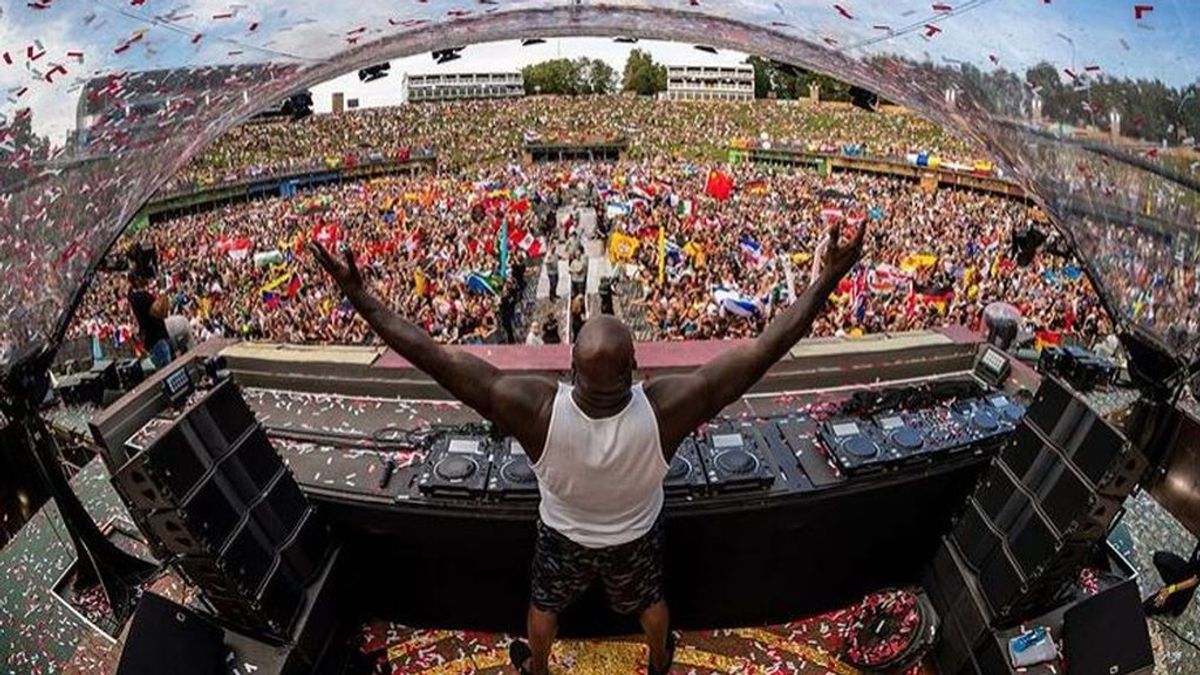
{"points": [[1045, 503], [212, 492]]}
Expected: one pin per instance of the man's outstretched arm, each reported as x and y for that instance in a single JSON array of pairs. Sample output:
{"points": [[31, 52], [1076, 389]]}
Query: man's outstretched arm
{"points": [[683, 402], [515, 403]]}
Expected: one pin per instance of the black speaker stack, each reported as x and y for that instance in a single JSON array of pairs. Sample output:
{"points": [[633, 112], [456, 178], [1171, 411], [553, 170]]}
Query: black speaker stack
{"points": [[215, 498], [1035, 519]]}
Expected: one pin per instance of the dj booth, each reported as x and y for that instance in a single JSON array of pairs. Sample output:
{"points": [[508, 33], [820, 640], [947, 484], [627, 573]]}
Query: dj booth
{"points": [[835, 477]]}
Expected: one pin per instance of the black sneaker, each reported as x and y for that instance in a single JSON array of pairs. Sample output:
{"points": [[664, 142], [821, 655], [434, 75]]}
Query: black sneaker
{"points": [[519, 654]]}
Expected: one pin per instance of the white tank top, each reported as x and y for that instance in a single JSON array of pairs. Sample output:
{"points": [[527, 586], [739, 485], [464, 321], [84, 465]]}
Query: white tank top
{"points": [[601, 479]]}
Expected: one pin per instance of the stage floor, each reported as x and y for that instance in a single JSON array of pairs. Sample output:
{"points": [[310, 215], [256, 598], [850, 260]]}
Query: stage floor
{"points": [[39, 634], [806, 646]]}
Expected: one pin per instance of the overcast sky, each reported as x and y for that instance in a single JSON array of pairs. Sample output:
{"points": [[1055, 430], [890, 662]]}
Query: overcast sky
{"points": [[495, 57]]}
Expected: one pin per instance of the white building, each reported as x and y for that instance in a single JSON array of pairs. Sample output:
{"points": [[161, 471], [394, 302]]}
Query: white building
{"points": [[458, 86], [723, 83]]}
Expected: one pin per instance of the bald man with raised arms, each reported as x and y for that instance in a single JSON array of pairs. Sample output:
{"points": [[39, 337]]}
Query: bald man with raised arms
{"points": [[600, 444]]}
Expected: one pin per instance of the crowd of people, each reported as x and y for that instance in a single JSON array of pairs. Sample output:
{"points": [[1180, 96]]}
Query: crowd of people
{"points": [[463, 133], [931, 258], [432, 243]]}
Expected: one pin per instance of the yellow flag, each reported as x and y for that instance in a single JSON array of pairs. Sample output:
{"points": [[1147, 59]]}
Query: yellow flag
{"points": [[662, 254], [419, 282], [276, 282], [622, 247]]}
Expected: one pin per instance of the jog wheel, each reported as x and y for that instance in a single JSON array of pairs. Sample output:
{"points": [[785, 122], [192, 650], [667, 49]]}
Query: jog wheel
{"points": [[860, 447], [679, 468], [909, 439], [456, 468], [736, 462], [518, 471], [985, 421]]}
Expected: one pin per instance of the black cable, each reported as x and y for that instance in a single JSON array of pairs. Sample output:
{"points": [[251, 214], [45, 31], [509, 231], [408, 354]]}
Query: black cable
{"points": [[1175, 632]]}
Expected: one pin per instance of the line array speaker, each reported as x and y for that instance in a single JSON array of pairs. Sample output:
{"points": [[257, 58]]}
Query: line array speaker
{"points": [[211, 491], [1045, 503]]}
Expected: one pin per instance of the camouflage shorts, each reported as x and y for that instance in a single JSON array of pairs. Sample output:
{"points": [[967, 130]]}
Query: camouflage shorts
{"points": [[632, 573]]}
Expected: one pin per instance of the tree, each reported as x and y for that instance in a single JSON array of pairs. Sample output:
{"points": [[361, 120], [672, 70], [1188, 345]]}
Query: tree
{"points": [[601, 77], [557, 76], [762, 76], [789, 82], [643, 75], [569, 78]]}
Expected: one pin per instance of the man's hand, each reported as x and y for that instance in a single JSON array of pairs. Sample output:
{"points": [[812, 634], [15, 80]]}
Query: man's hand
{"points": [[344, 272], [840, 257], [1161, 598]]}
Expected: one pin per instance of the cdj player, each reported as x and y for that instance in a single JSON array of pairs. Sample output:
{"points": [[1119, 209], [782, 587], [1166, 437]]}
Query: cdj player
{"points": [[458, 466], [685, 477], [988, 417], [899, 437], [512, 477], [736, 458], [857, 445]]}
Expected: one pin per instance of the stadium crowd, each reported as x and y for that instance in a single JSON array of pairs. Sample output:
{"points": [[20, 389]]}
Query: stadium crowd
{"points": [[431, 244], [454, 130]]}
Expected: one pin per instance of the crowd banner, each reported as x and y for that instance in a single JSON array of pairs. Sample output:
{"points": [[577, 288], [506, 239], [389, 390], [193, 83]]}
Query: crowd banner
{"points": [[268, 258], [622, 247], [918, 261]]}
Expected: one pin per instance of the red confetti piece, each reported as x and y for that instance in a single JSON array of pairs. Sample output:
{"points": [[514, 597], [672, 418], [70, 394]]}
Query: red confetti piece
{"points": [[931, 30], [881, 26], [223, 15], [357, 31], [76, 55], [56, 70], [1091, 69], [1141, 10], [942, 8], [843, 11], [236, 52], [7, 58], [253, 27], [994, 59], [122, 49], [196, 37], [29, 53], [458, 13], [1070, 73]]}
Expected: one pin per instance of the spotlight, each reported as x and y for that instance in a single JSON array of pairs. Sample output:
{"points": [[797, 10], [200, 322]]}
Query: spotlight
{"points": [[447, 55], [376, 72], [297, 106], [527, 42], [1026, 241], [861, 98]]}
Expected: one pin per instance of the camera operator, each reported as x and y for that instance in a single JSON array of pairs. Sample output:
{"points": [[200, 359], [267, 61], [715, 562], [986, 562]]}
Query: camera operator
{"points": [[150, 310]]}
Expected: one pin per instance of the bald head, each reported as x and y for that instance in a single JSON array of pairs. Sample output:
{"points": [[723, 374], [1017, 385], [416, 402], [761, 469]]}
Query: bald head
{"points": [[603, 355]]}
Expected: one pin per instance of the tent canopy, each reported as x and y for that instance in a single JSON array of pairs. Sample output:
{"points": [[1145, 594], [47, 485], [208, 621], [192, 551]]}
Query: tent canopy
{"points": [[105, 100]]}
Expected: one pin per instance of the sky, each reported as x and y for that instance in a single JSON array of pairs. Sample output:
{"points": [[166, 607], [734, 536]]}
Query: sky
{"points": [[91, 37], [508, 56]]}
